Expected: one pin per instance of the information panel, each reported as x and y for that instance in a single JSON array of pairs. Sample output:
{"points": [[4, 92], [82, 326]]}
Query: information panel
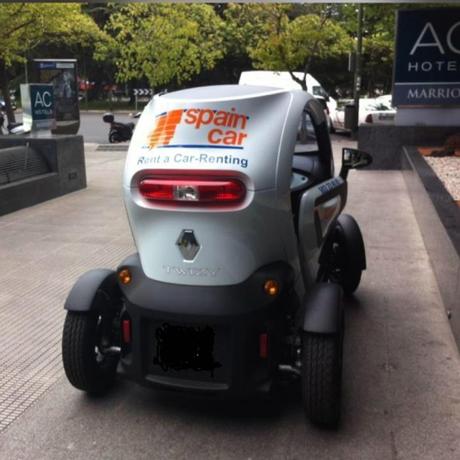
{"points": [[427, 61], [38, 107], [62, 74]]}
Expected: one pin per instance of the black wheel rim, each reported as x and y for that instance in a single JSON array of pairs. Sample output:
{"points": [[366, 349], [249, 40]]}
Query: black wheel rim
{"points": [[107, 343]]}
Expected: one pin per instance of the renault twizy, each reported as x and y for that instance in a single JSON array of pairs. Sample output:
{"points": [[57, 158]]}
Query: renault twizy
{"points": [[242, 253]]}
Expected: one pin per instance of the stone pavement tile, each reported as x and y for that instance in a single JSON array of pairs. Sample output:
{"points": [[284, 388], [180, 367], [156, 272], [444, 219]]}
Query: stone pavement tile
{"points": [[401, 396], [421, 358], [45, 248], [390, 222]]}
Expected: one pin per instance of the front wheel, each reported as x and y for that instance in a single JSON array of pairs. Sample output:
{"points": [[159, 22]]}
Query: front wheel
{"points": [[89, 352], [322, 377]]}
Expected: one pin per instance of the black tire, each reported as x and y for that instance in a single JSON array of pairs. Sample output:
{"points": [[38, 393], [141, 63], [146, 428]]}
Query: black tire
{"points": [[349, 257], [322, 378], [86, 367], [114, 138]]}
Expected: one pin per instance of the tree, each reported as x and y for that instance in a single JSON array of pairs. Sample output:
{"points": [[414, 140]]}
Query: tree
{"points": [[26, 26], [295, 44], [378, 42], [163, 43], [244, 26]]}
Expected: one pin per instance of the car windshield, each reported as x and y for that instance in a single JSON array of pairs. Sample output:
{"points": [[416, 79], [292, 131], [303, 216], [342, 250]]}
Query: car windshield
{"points": [[377, 105], [319, 91]]}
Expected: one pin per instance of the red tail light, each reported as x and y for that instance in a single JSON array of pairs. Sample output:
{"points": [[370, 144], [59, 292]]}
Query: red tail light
{"points": [[192, 190], [126, 330], [263, 345], [369, 119]]}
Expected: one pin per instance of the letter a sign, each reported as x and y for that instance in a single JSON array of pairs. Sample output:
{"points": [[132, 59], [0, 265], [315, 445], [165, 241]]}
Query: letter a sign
{"points": [[43, 100]]}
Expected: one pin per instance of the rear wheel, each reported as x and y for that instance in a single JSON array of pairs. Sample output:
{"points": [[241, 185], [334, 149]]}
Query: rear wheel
{"points": [[322, 377], [89, 351], [114, 138]]}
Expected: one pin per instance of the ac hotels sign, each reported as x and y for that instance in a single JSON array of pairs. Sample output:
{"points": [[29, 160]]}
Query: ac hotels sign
{"points": [[427, 62]]}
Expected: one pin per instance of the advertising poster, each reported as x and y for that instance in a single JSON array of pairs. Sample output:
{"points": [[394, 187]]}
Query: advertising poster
{"points": [[62, 74]]}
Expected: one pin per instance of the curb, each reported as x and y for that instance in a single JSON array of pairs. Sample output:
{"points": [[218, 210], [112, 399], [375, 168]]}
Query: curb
{"points": [[438, 217]]}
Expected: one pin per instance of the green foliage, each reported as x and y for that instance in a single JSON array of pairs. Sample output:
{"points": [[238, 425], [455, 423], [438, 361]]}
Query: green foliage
{"points": [[172, 44], [163, 42], [378, 41], [285, 37], [246, 24], [292, 45], [25, 26]]}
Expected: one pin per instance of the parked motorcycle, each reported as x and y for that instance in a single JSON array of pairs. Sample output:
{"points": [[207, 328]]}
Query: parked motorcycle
{"points": [[119, 132], [10, 128]]}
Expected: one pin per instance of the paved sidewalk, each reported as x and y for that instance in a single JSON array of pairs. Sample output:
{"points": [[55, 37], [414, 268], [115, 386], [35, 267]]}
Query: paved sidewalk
{"points": [[401, 370], [44, 249]]}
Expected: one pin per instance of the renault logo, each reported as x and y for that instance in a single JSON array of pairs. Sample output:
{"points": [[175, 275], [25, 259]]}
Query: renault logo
{"points": [[188, 245]]}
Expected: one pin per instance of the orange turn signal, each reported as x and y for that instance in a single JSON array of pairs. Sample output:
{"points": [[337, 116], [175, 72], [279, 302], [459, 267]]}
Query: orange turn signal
{"points": [[271, 287], [124, 276]]}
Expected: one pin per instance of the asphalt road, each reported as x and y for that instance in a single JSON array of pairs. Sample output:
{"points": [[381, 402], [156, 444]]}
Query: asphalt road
{"points": [[94, 130], [401, 395]]}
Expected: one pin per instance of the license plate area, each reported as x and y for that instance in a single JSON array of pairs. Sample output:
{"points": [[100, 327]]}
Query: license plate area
{"points": [[181, 348]]}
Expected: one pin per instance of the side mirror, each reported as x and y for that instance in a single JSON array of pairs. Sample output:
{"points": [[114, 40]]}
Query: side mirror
{"points": [[354, 159]]}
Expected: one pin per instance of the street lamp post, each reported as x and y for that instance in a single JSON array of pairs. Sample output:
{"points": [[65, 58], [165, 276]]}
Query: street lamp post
{"points": [[357, 74]]}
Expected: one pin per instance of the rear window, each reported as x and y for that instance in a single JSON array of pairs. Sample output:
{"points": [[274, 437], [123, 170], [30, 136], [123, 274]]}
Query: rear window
{"points": [[306, 132], [319, 91]]}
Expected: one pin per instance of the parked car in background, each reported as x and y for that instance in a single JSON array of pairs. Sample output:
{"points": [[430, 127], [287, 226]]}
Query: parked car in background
{"points": [[376, 111], [382, 113], [386, 99], [285, 81]]}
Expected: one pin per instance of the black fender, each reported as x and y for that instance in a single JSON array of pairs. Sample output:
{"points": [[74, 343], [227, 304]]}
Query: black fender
{"points": [[323, 309], [354, 240], [95, 290]]}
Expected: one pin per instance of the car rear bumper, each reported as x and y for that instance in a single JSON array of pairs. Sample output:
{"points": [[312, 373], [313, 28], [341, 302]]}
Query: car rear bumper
{"points": [[225, 339]]}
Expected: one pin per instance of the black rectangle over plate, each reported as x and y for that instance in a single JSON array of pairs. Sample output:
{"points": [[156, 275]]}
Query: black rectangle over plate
{"points": [[185, 347]]}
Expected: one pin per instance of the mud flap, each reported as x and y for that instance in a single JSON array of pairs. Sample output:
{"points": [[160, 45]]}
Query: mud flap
{"points": [[323, 309], [94, 290], [354, 240]]}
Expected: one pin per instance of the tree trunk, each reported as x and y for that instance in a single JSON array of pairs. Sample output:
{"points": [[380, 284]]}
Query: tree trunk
{"points": [[301, 81], [5, 88]]}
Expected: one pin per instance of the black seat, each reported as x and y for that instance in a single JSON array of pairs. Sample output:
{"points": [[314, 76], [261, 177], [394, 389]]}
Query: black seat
{"points": [[312, 168]]}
